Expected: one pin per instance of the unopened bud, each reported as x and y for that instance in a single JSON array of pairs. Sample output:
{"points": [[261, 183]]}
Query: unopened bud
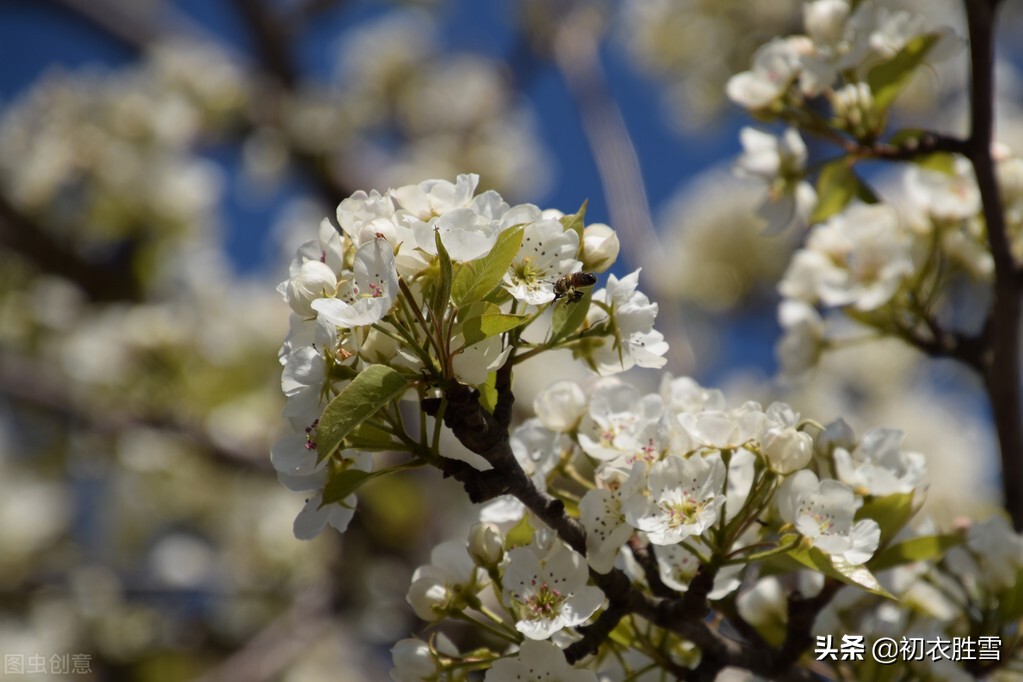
{"points": [[485, 545]]}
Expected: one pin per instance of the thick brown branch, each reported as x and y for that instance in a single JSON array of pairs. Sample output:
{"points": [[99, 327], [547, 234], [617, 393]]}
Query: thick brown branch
{"points": [[1002, 376]]}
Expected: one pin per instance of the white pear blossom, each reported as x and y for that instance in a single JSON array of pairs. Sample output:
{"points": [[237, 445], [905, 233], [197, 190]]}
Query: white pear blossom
{"points": [[314, 280], [776, 65], [686, 496], [860, 257], [416, 660], [601, 514], [780, 162], [720, 429], [944, 196], [840, 41], [302, 381], [432, 198], [295, 454], [443, 583], [677, 566], [683, 394], [879, 465], [465, 233], [635, 342], [561, 406], [617, 413], [369, 295], [803, 339], [546, 589], [999, 550], [537, 450], [360, 209], [546, 255], [473, 363], [485, 544], [824, 20], [784, 448], [600, 247], [315, 516], [823, 512], [537, 661]]}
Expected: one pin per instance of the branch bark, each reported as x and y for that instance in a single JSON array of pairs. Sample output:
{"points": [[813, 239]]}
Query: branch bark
{"points": [[1002, 372]]}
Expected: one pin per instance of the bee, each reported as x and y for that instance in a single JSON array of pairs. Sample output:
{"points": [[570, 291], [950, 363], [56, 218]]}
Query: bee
{"points": [[568, 287]]}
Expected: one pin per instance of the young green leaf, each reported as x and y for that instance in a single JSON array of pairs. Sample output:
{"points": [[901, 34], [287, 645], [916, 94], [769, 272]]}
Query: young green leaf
{"points": [[888, 78], [918, 549], [443, 291], [475, 279], [838, 568], [488, 393], [568, 316], [475, 329], [576, 221], [891, 512], [343, 483], [373, 388], [837, 185]]}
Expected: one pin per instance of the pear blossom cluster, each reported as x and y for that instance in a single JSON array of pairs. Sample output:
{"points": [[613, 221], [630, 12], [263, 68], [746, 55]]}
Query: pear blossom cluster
{"points": [[677, 475], [371, 292], [885, 257], [833, 59]]}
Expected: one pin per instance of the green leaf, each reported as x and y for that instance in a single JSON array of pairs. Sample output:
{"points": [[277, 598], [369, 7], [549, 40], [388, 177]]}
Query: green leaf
{"points": [[443, 291], [891, 512], [520, 535], [567, 316], [837, 185], [888, 78], [343, 483], [375, 386], [488, 393], [576, 221], [480, 327], [941, 162], [475, 279], [838, 568], [918, 549], [1010, 602], [369, 437]]}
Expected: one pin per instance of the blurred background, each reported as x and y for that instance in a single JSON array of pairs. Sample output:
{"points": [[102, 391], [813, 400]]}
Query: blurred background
{"points": [[161, 160]]}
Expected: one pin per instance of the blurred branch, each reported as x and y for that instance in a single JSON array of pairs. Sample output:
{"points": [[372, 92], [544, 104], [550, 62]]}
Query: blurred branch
{"points": [[575, 51], [272, 41], [33, 384], [279, 74], [100, 281], [266, 655], [135, 24]]}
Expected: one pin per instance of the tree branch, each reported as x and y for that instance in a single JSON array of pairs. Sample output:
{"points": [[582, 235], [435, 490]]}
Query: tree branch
{"points": [[1002, 375]]}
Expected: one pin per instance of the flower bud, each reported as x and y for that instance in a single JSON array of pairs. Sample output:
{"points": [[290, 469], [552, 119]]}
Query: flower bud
{"points": [[429, 598], [786, 449], [600, 247], [413, 660], [314, 280], [485, 545], [825, 20], [561, 406], [837, 434]]}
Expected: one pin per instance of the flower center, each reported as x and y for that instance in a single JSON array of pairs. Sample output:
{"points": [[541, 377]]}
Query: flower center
{"points": [[544, 603]]}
